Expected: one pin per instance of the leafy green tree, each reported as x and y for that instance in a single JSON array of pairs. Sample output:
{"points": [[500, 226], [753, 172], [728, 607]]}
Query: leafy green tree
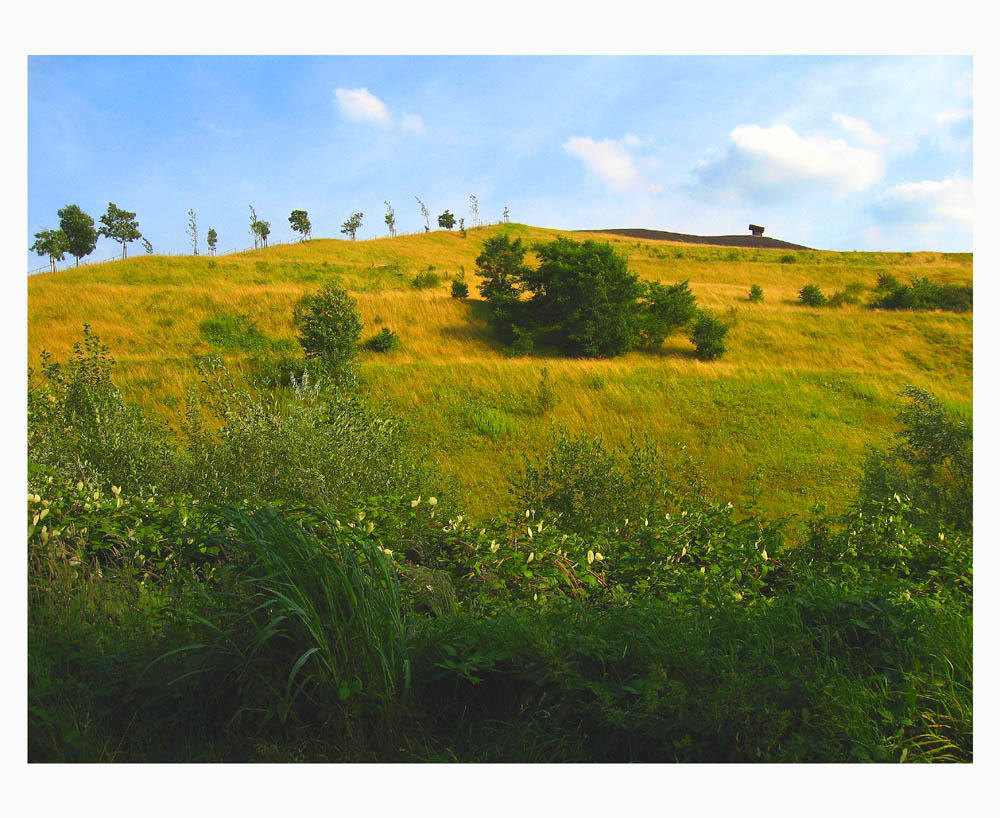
{"points": [[390, 220], [329, 327], [121, 226], [263, 230], [350, 227], [665, 310], [446, 220], [299, 220], [501, 265], [708, 334], [51, 243], [584, 295], [211, 239], [192, 230], [81, 237]]}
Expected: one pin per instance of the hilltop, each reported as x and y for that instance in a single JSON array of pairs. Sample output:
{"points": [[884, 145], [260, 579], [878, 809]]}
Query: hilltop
{"points": [[687, 238], [786, 415]]}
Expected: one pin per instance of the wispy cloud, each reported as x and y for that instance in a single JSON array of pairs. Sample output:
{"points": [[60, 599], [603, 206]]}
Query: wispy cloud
{"points": [[928, 206], [412, 123], [611, 161], [360, 105], [777, 163], [861, 130], [953, 115]]}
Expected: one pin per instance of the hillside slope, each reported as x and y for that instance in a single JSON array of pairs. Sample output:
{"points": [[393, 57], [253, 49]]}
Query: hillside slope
{"points": [[786, 415]]}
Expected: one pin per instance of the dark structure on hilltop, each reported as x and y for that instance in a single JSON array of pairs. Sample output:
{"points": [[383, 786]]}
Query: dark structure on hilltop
{"points": [[756, 229], [719, 241]]}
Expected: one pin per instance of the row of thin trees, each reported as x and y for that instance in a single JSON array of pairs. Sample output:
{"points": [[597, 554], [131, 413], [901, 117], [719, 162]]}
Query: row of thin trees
{"points": [[77, 234]]}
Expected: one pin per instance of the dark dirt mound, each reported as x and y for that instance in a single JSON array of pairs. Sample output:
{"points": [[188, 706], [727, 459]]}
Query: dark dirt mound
{"points": [[721, 241]]}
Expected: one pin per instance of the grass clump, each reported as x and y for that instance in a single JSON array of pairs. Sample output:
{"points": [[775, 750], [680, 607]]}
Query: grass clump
{"points": [[232, 331], [426, 280]]}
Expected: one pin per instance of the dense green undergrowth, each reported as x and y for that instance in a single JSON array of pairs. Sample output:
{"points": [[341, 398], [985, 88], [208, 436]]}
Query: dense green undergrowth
{"points": [[285, 580]]}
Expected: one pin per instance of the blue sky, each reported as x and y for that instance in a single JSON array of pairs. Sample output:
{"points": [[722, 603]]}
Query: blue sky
{"points": [[833, 152]]}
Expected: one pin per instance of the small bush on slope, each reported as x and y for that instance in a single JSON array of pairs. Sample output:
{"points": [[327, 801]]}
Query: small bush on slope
{"points": [[329, 327]]}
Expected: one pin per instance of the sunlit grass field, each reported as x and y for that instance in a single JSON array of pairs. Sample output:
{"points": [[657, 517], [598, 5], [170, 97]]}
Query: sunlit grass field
{"points": [[785, 416]]}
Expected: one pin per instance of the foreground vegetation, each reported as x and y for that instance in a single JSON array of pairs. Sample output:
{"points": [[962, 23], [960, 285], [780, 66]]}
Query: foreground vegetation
{"points": [[286, 576]]}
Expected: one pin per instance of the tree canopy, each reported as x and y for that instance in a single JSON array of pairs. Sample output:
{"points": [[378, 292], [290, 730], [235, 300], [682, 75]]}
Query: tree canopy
{"points": [[299, 220], [81, 237], [350, 227], [121, 226], [446, 220], [580, 298], [51, 243]]}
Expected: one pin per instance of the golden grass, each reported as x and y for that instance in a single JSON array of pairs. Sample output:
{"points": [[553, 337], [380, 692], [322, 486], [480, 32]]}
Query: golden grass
{"points": [[799, 394]]}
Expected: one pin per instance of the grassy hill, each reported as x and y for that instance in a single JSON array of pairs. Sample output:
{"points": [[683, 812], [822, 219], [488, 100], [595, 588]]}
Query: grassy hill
{"points": [[796, 400]]}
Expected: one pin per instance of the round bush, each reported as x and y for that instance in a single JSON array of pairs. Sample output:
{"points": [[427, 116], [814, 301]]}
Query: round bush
{"points": [[812, 296], [708, 336], [329, 327]]}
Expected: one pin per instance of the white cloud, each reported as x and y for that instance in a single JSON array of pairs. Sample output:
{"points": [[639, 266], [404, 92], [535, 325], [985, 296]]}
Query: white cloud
{"points": [[861, 130], [929, 206], [773, 163], [360, 105], [610, 160], [953, 115], [412, 122]]}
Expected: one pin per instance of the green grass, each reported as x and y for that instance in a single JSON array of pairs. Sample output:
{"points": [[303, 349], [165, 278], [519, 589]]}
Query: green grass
{"points": [[761, 408]]}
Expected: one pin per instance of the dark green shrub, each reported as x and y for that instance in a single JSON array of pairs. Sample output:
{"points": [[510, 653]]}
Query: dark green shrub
{"points": [[756, 294], [664, 311], [426, 280], [321, 444], [80, 425], [708, 334], [384, 341], [812, 296], [522, 341], [584, 297], [924, 294], [329, 327], [931, 463], [501, 265], [887, 282], [459, 289], [592, 485], [788, 258]]}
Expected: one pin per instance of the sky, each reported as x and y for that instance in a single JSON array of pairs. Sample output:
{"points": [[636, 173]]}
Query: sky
{"points": [[840, 153]]}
